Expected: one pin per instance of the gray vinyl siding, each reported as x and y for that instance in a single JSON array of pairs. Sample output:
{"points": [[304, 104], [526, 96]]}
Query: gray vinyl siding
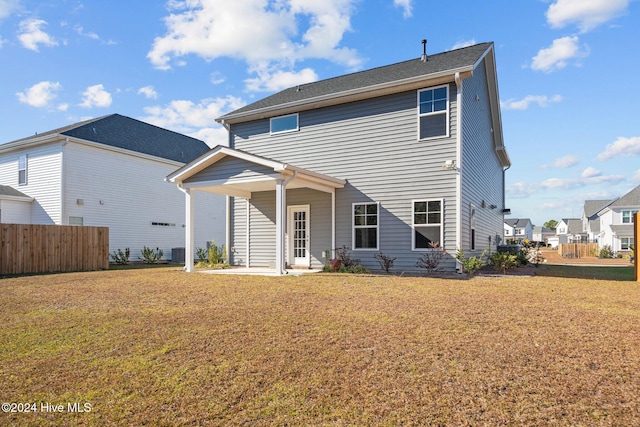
{"points": [[238, 242], [374, 145], [231, 168], [262, 211], [481, 169]]}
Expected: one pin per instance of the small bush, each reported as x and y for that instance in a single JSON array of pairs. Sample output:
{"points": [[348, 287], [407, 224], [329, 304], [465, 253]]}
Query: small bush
{"points": [[343, 263], [606, 252], [523, 255], [343, 254], [151, 256], [201, 253], [120, 257], [431, 259], [216, 255], [472, 264], [503, 261], [386, 262]]}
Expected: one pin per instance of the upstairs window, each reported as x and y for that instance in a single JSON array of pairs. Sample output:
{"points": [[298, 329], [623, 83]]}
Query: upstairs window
{"points": [[365, 226], [22, 169], [284, 124], [627, 217], [433, 112], [427, 223]]}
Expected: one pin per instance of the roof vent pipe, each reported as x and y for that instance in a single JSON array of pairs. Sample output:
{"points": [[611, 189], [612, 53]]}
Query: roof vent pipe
{"points": [[424, 51]]}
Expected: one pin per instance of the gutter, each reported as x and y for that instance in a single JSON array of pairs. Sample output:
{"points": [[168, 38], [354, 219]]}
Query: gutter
{"points": [[458, 81]]}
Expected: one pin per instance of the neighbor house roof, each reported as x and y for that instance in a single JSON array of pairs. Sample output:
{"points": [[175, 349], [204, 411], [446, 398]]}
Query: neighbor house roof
{"points": [[517, 222], [7, 192], [574, 226], [592, 207], [629, 200], [126, 133]]}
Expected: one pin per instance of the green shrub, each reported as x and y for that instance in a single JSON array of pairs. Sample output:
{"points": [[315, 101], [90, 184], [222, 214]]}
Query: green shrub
{"points": [[472, 264], [150, 256], [606, 252], [120, 257], [215, 254], [201, 253], [503, 261]]}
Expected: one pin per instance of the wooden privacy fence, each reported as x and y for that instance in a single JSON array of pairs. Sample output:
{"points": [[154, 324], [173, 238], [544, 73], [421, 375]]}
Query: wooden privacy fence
{"points": [[577, 250], [28, 248]]}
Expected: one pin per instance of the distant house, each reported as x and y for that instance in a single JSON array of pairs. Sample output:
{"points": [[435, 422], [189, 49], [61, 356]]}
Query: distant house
{"points": [[396, 159], [518, 229], [541, 235], [616, 221], [569, 230], [107, 172], [591, 219]]}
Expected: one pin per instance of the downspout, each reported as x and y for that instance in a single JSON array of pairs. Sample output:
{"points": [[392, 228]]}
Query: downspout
{"points": [[459, 167], [504, 197]]}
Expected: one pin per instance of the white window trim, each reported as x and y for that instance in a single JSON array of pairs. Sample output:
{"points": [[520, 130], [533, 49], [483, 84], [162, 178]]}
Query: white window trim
{"points": [[25, 169], [353, 227], [447, 126], [288, 130], [631, 213], [413, 225]]}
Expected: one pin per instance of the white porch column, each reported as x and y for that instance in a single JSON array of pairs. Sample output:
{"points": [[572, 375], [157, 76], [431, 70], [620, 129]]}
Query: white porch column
{"points": [[281, 218], [189, 232], [333, 223]]}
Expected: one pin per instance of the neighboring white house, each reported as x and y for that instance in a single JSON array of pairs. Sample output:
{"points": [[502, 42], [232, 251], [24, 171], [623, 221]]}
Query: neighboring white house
{"points": [[569, 230], [107, 172], [616, 221], [541, 235], [591, 219], [518, 229]]}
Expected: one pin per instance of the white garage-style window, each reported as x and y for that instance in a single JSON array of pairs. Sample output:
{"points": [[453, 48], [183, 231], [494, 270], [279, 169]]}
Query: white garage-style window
{"points": [[427, 223], [433, 112], [284, 124], [365, 226]]}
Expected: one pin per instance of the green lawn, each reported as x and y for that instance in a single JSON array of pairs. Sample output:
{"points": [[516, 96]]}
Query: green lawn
{"points": [[162, 347], [587, 272]]}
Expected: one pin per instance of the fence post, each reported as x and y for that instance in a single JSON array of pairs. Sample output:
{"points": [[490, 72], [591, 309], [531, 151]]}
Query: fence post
{"points": [[636, 235]]}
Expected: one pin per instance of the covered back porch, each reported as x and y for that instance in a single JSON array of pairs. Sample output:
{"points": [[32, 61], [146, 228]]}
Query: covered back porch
{"points": [[243, 175]]}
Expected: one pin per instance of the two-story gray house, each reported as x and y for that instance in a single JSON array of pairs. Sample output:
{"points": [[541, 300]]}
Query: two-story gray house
{"points": [[394, 159]]}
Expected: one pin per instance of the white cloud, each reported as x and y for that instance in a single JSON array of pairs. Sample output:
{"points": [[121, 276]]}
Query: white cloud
{"points": [[621, 147], [523, 104], [563, 162], [7, 7], [279, 80], [590, 173], [31, 34], [149, 92], [463, 43], [196, 120], [558, 55], [80, 30], [636, 178], [523, 190], [586, 14], [406, 7], [40, 95], [289, 31], [217, 78], [96, 96]]}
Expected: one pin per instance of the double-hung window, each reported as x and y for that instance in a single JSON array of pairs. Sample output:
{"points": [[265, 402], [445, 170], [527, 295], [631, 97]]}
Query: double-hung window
{"points": [[626, 243], [284, 124], [365, 226], [22, 169], [427, 224], [627, 216], [433, 112]]}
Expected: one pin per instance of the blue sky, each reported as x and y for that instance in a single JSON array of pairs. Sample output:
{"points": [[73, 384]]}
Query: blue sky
{"points": [[566, 69]]}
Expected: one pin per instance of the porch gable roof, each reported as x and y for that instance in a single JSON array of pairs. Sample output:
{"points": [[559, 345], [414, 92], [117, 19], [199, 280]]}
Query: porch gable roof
{"points": [[243, 185]]}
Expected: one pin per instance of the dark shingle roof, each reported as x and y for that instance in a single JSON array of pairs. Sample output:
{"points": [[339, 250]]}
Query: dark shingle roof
{"points": [[5, 190], [592, 207], [517, 222], [124, 132], [437, 63]]}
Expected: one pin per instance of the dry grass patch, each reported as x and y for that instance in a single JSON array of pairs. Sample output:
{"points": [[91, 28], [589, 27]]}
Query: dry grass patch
{"points": [[161, 347]]}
